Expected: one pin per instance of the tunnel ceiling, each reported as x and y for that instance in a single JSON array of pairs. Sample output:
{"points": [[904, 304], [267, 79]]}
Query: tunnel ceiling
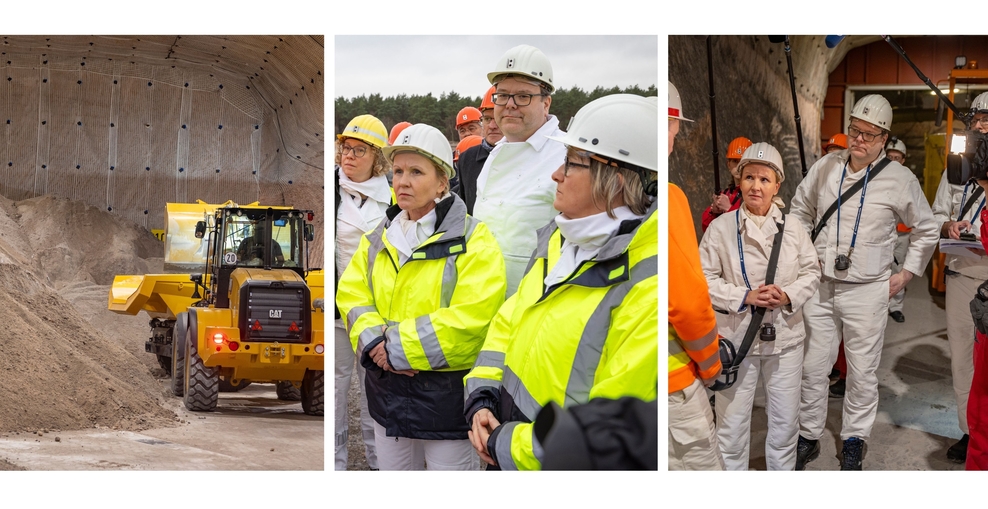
{"points": [[129, 123]]}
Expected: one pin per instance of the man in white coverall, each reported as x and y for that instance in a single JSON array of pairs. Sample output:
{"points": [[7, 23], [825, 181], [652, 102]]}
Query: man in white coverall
{"points": [[515, 190], [963, 275], [855, 251], [896, 151]]}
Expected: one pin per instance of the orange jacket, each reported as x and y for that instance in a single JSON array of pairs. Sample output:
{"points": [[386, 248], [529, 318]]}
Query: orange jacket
{"points": [[693, 345]]}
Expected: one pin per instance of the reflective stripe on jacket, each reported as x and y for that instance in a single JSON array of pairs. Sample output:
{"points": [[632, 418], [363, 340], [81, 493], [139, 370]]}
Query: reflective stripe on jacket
{"points": [[432, 314], [593, 335]]}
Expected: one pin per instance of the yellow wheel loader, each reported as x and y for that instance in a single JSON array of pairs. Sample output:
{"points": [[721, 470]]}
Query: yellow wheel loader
{"points": [[246, 307]]}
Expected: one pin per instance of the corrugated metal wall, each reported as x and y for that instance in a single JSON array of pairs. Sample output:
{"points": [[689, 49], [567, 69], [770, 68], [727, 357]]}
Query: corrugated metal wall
{"points": [[128, 123]]}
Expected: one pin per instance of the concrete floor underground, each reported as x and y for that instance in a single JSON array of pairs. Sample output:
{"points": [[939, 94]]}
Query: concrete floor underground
{"points": [[917, 412]]}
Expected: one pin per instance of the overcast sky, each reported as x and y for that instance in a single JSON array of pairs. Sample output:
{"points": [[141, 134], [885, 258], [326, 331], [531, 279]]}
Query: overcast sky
{"points": [[417, 65]]}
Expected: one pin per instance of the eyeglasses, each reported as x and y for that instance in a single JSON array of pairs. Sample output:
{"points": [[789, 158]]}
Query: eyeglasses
{"points": [[520, 99], [358, 151], [853, 133], [568, 164], [983, 121]]}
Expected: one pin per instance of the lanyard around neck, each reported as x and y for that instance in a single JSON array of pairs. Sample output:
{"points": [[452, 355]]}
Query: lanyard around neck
{"points": [[744, 273], [960, 215], [857, 221]]}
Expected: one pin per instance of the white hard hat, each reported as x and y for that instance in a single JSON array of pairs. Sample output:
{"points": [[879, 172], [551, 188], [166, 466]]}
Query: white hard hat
{"points": [[675, 104], [523, 60], [980, 103], [619, 127], [425, 140], [896, 144], [766, 154], [873, 109]]}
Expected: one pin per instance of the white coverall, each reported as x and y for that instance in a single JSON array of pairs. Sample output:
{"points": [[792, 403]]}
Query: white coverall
{"points": [[899, 254], [854, 302], [964, 276], [515, 192], [778, 363]]}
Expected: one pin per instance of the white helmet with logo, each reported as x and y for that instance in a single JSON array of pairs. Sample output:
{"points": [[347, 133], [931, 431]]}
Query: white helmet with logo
{"points": [[427, 141], [873, 109], [766, 154], [675, 104], [896, 144], [620, 127], [526, 61]]}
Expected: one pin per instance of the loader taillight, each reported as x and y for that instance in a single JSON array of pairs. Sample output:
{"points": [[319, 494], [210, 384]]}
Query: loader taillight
{"points": [[234, 346], [320, 349], [219, 338]]}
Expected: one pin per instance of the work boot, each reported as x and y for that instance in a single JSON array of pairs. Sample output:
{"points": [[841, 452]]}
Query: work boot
{"points": [[897, 316], [806, 451], [834, 376], [837, 390], [958, 452], [852, 454]]}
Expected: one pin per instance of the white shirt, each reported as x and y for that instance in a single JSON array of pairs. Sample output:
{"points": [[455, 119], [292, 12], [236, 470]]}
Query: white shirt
{"points": [[515, 192], [892, 197], [946, 207], [797, 273]]}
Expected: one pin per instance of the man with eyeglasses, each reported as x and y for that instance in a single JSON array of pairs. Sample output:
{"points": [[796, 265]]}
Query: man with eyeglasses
{"points": [[855, 246], [472, 159], [896, 151], [957, 209], [515, 190]]}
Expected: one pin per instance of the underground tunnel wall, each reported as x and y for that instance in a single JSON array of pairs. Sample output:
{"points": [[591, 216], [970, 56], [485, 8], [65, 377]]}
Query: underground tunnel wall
{"points": [[129, 123]]}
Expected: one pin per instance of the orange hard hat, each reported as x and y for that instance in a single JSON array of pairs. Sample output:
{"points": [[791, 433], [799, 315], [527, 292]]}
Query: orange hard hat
{"points": [[470, 141], [396, 130], [467, 115], [737, 147], [488, 102], [839, 139]]}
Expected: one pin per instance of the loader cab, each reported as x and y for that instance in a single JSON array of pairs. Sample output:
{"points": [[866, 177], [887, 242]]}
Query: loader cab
{"points": [[269, 239]]}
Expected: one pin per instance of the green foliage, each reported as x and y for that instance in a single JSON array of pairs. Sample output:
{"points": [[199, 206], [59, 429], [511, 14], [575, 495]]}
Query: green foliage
{"points": [[441, 112]]}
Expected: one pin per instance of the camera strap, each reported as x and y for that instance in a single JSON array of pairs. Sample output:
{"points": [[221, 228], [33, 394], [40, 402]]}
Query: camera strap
{"points": [[758, 313], [851, 191], [970, 202]]}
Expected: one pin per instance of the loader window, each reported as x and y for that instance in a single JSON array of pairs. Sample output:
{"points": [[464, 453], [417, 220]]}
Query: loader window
{"points": [[245, 238]]}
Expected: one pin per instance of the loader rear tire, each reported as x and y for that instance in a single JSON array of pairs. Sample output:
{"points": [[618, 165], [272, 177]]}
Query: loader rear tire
{"points": [[202, 383], [312, 392], [287, 392], [178, 354]]}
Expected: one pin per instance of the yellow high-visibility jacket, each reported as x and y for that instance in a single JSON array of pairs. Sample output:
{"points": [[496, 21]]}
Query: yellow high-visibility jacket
{"points": [[593, 335], [432, 314]]}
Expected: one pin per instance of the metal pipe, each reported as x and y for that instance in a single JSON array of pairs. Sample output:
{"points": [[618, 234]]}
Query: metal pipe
{"points": [[795, 107], [713, 115]]}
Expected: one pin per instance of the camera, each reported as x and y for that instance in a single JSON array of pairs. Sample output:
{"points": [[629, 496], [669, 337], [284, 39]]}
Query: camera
{"points": [[767, 333], [968, 157], [843, 262]]}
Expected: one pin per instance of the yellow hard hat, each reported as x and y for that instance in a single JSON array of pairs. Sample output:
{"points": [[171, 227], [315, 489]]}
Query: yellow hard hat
{"points": [[366, 128]]}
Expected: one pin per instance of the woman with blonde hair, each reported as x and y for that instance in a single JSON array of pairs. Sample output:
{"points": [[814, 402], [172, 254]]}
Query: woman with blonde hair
{"points": [[362, 196], [417, 299]]}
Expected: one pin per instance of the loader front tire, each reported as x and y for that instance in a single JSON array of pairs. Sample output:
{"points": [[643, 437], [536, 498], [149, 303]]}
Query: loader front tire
{"points": [[178, 354], [202, 384]]}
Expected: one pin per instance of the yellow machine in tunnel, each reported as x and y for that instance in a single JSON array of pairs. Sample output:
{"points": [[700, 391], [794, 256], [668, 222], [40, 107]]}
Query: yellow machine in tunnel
{"points": [[245, 309]]}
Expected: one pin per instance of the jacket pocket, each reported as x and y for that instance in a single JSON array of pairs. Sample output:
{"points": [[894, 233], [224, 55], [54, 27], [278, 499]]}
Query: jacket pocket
{"points": [[871, 261]]}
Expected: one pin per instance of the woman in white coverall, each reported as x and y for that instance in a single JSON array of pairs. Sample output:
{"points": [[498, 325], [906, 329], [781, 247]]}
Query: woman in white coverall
{"points": [[362, 196], [734, 253]]}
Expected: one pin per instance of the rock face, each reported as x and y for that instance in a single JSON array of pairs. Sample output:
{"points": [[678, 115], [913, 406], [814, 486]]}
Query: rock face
{"points": [[753, 99]]}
